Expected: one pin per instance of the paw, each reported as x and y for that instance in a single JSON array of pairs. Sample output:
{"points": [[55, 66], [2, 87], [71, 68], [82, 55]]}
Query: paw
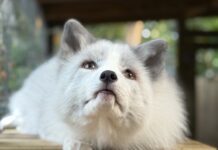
{"points": [[7, 122], [76, 145]]}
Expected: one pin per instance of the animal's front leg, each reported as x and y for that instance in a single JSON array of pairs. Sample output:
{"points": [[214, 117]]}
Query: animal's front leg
{"points": [[76, 145]]}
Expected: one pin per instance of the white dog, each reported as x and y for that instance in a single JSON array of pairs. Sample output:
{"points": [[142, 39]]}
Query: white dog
{"points": [[95, 94]]}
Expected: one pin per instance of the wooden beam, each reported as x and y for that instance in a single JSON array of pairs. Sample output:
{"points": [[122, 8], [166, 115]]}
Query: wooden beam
{"points": [[55, 1], [205, 46], [202, 11], [95, 17], [93, 11], [106, 12], [194, 33], [48, 2]]}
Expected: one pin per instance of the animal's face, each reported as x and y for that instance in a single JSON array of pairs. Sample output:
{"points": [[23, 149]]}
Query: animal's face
{"points": [[101, 79], [108, 80]]}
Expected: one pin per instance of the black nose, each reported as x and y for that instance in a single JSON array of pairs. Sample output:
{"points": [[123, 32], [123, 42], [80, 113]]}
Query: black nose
{"points": [[108, 76]]}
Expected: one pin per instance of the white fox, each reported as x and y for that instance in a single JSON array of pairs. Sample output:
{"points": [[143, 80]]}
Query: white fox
{"points": [[96, 94]]}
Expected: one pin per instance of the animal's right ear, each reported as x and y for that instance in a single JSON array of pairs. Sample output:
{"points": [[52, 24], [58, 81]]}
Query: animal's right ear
{"points": [[152, 54], [74, 38]]}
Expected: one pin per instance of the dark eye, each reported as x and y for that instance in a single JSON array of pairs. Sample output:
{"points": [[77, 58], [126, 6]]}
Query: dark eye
{"points": [[129, 74], [89, 65]]}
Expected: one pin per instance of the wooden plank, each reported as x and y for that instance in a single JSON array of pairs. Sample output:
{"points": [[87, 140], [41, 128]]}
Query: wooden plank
{"points": [[12, 140]]}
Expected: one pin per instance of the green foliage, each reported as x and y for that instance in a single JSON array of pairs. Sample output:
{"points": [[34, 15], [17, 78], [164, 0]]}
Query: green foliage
{"points": [[203, 23], [207, 62], [22, 43], [111, 31], [166, 30], [18, 76], [207, 59]]}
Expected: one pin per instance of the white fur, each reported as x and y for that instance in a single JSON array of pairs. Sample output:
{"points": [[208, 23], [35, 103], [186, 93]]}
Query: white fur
{"points": [[51, 103]]}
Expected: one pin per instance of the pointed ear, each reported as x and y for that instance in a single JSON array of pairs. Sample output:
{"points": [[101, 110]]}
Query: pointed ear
{"points": [[153, 55], [74, 38]]}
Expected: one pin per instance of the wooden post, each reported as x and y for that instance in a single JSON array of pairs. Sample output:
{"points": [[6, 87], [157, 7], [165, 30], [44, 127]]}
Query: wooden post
{"points": [[186, 72], [134, 36], [49, 51]]}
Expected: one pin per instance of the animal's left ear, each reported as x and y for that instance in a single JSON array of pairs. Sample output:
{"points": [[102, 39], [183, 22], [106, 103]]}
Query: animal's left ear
{"points": [[153, 55], [74, 38]]}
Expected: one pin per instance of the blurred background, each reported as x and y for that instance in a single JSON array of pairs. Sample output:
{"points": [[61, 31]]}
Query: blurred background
{"points": [[30, 33]]}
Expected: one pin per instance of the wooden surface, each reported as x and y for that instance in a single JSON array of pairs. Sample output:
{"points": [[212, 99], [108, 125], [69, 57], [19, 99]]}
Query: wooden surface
{"points": [[11, 140]]}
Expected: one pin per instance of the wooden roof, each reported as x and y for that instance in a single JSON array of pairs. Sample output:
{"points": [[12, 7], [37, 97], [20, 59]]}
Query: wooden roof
{"points": [[92, 11]]}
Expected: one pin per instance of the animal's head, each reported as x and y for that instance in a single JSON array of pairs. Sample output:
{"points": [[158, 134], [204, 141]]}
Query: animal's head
{"points": [[102, 79]]}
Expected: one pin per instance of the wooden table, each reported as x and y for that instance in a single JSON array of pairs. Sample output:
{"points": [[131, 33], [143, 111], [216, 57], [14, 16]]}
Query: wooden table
{"points": [[11, 140]]}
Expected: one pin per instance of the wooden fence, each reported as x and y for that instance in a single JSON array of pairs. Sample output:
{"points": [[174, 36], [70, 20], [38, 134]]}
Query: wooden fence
{"points": [[207, 110]]}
